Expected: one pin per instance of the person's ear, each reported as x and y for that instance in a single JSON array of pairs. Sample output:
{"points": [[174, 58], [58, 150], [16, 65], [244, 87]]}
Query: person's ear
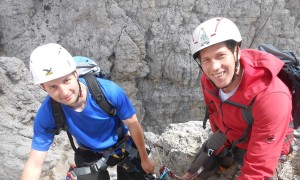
{"points": [[42, 87], [238, 51], [75, 74]]}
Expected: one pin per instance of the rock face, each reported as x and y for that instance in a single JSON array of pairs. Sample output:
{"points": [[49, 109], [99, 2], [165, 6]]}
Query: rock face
{"points": [[143, 44]]}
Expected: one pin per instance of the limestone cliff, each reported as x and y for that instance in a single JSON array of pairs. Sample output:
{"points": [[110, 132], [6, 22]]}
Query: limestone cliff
{"points": [[144, 44]]}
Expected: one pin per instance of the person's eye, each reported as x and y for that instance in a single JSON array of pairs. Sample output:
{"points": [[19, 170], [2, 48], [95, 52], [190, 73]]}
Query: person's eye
{"points": [[53, 87], [204, 60], [222, 56], [67, 81]]}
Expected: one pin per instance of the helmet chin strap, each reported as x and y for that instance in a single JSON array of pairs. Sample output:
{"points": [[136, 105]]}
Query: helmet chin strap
{"points": [[79, 93], [80, 89]]}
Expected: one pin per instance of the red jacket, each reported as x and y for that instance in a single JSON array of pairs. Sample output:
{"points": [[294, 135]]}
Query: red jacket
{"points": [[271, 112]]}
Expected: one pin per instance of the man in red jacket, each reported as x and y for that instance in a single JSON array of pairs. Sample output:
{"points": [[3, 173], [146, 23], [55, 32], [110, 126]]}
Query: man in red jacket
{"points": [[244, 78]]}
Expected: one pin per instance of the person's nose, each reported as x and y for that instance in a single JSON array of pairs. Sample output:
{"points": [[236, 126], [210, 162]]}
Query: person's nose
{"points": [[215, 64], [63, 90]]}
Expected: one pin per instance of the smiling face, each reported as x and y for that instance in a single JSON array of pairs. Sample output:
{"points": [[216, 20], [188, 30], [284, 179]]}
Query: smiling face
{"points": [[64, 90], [218, 63]]}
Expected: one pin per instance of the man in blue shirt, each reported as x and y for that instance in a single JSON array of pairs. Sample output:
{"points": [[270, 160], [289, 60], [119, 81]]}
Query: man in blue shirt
{"points": [[54, 70]]}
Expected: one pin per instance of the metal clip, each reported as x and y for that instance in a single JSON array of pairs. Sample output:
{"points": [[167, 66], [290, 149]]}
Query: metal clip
{"points": [[94, 167], [210, 152]]}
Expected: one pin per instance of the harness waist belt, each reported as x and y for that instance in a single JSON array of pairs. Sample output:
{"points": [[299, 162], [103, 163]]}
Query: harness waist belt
{"points": [[101, 163]]}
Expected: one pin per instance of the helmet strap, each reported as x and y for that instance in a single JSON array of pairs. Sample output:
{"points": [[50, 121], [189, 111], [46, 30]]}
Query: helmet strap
{"points": [[79, 85], [79, 93]]}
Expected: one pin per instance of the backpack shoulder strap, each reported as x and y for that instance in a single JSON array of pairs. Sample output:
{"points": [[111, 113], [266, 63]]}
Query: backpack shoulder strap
{"points": [[60, 121], [97, 93], [247, 116], [59, 117], [206, 117], [246, 111], [101, 100]]}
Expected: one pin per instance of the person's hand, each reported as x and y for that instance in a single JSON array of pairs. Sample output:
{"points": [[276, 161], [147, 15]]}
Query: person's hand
{"points": [[148, 166], [188, 176]]}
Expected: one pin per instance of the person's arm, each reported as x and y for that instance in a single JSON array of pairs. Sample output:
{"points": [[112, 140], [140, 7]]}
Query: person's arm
{"points": [[272, 115], [34, 164], [137, 135]]}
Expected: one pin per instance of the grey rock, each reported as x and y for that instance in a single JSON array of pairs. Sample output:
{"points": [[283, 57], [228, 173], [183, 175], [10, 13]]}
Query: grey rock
{"points": [[145, 46]]}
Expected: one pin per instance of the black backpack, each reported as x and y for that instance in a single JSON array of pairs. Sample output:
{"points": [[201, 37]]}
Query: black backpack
{"points": [[87, 69], [290, 75]]}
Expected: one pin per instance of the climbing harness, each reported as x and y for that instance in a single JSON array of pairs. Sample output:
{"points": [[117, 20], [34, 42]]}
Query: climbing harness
{"points": [[123, 151]]}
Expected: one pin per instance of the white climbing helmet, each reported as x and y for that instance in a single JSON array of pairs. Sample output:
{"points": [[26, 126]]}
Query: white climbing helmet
{"points": [[212, 32], [49, 62]]}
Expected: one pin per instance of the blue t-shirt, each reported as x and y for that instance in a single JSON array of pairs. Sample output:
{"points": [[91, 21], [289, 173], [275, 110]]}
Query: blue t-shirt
{"points": [[92, 127]]}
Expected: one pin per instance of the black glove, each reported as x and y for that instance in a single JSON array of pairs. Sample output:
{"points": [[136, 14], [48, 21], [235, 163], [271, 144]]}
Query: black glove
{"points": [[205, 156]]}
